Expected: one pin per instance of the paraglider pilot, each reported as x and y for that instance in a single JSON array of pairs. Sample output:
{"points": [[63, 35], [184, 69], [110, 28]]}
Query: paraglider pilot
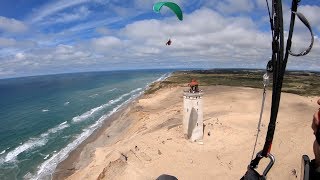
{"points": [[169, 42]]}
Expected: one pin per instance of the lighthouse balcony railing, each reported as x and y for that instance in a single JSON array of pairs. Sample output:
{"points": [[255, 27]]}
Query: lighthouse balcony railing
{"points": [[192, 93]]}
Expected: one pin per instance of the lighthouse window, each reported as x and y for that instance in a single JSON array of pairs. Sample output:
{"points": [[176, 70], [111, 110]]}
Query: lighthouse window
{"points": [[187, 110], [197, 103]]}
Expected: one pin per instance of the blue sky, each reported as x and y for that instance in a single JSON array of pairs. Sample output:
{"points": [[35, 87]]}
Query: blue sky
{"points": [[58, 36]]}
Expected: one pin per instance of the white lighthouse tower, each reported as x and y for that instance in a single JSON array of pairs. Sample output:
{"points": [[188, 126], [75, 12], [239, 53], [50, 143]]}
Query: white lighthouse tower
{"points": [[193, 113]]}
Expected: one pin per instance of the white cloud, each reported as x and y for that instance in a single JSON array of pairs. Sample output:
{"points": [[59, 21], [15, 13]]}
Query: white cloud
{"points": [[53, 8], [12, 43], [46, 60], [206, 38], [147, 4], [262, 4], [106, 43], [5, 42], [103, 30], [93, 24], [222, 39], [231, 6], [6, 73], [77, 14], [20, 56], [12, 25], [312, 14], [196, 32]]}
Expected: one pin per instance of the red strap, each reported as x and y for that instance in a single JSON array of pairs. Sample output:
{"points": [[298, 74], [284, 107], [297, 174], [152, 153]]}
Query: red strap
{"points": [[269, 148]]}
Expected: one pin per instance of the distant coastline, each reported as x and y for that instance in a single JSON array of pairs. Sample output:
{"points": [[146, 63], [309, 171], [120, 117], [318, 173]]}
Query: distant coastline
{"points": [[305, 83], [171, 70]]}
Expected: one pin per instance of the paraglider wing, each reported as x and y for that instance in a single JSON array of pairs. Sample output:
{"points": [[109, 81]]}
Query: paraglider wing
{"points": [[173, 6]]}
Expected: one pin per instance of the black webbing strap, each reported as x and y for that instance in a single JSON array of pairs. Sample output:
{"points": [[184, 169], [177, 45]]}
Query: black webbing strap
{"points": [[306, 23], [279, 62]]}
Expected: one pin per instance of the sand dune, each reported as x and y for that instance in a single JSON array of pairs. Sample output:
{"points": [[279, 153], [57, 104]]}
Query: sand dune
{"points": [[146, 138]]}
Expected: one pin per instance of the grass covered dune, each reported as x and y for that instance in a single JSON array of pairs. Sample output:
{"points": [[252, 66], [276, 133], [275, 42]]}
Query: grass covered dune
{"points": [[296, 82]]}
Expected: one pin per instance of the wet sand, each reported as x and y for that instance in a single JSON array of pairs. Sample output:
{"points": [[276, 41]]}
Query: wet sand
{"points": [[145, 139]]}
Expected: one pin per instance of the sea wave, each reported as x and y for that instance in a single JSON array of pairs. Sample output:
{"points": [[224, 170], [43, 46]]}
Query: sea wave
{"points": [[33, 142], [2, 152], [112, 89], [91, 112], [30, 144], [48, 167], [55, 129], [87, 114], [46, 157], [163, 77], [93, 95]]}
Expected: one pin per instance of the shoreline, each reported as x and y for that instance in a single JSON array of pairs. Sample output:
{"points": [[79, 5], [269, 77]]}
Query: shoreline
{"points": [[97, 155], [68, 166]]}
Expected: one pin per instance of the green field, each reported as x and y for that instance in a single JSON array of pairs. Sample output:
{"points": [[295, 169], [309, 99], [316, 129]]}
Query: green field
{"points": [[301, 83]]}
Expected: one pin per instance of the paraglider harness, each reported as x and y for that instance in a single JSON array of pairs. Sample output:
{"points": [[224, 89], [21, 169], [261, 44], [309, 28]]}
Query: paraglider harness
{"points": [[277, 66], [169, 42]]}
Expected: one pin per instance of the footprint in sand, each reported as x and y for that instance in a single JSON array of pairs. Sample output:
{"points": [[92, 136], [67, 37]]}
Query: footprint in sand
{"points": [[145, 156]]}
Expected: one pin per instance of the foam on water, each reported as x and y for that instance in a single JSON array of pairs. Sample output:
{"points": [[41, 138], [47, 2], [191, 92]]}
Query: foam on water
{"points": [[46, 156], [2, 152], [93, 95], [30, 144], [48, 167], [45, 110], [87, 114], [163, 77], [34, 142], [55, 129], [91, 112], [112, 89]]}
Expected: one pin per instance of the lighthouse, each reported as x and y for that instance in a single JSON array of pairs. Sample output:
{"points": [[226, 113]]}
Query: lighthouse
{"points": [[193, 112]]}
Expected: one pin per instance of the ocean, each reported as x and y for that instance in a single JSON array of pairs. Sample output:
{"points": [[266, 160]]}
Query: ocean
{"points": [[43, 118]]}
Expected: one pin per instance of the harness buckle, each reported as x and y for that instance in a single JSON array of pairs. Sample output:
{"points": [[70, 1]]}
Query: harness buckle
{"points": [[269, 166], [252, 174]]}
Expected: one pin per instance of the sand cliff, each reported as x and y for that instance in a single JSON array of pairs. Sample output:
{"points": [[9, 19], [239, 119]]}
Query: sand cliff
{"points": [[145, 140]]}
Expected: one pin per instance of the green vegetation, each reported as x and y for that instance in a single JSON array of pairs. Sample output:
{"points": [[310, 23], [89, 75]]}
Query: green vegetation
{"points": [[155, 87], [301, 83]]}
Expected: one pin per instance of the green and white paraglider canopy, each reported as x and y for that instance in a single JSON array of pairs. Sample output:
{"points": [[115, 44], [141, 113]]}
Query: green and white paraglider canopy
{"points": [[173, 6]]}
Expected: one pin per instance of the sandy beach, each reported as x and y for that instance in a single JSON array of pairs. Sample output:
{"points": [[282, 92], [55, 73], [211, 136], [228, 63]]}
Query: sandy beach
{"points": [[145, 139]]}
